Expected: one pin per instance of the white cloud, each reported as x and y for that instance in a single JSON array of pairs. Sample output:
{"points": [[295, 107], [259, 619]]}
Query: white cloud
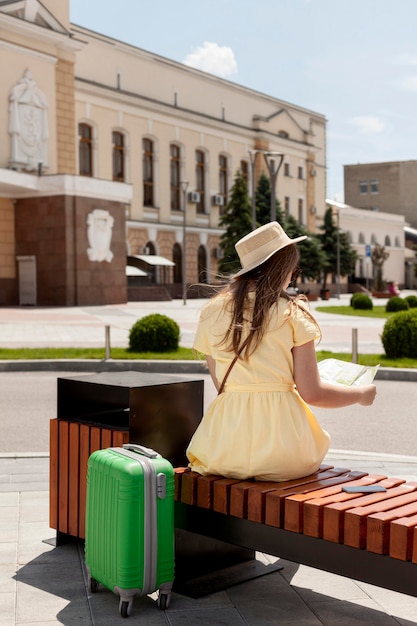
{"points": [[214, 59], [368, 124]]}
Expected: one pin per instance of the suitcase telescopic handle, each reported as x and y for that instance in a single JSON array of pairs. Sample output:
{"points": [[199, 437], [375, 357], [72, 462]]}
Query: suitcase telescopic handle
{"points": [[135, 447]]}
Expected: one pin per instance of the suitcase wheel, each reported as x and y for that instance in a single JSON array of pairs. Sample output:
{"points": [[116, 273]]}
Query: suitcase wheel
{"points": [[125, 607], [164, 600]]}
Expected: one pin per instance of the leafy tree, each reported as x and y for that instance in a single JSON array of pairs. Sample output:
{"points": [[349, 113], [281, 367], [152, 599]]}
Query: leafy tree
{"points": [[237, 220], [263, 202], [379, 255], [312, 257], [328, 239]]}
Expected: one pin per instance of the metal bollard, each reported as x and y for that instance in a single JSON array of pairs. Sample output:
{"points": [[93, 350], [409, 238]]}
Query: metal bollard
{"points": [[107, 342], [354, 345]]}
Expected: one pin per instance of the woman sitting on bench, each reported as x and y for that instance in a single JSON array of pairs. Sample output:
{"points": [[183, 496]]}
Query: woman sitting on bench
{"points": [[263, 342]]}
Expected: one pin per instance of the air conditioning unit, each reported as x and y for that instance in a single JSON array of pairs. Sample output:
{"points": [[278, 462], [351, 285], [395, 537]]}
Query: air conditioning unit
{"points": [[144, 250], [194, 197], [218, 200]]}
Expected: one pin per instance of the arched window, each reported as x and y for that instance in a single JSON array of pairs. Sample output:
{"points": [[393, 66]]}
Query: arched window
{"points": [[397, 242], [200, 162], [373, 239], [177, 258], [118, 156], [148, 172], [175, 168], [361, 238], [202, 265], [387, 240], [85, 149]]}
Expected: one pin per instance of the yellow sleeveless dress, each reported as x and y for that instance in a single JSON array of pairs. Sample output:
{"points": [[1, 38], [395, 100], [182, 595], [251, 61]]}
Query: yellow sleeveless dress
{"points": [[259, 427]]}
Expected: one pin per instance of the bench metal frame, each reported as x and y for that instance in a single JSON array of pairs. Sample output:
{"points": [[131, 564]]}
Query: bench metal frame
{"points": [[381, 570]]}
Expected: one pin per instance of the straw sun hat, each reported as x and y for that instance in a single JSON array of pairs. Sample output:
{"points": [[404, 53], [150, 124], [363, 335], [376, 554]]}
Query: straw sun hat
{"points": [[259, 245]]}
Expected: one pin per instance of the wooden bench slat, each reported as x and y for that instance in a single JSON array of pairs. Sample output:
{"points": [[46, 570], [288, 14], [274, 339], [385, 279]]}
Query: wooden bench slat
{"points": [[249, 502], [205, 491], [378, 527], [401, 538], [314, 509], [356, 519], [178, 472], [294, 505], [189, 487], [334, 514], [276, 501], [221, 495]]}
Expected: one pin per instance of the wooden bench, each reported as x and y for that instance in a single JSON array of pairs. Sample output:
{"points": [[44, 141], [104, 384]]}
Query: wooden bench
{"points": [[369, 537], [310, 520]]}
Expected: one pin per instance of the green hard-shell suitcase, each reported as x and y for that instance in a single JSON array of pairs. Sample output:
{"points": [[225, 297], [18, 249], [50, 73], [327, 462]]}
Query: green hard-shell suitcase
{"points": [[129, 543]]}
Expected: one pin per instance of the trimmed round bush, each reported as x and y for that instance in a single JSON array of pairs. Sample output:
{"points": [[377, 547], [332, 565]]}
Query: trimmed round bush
{"points": [[396, 304], [354, 296], [154, 333], [411, 301], [361, 301], [399, 335]]}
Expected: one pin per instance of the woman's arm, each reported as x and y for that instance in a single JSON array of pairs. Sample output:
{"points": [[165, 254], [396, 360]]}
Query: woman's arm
{"points": [[212, 370], [315, 392]]}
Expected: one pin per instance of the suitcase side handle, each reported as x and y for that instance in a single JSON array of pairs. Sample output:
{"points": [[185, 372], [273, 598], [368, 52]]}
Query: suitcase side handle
{"points": [[135, 447]]}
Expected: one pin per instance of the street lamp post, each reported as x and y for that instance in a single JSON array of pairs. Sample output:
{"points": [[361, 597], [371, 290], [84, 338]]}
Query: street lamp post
{"points": [[273, 161], [184, 186], [252, 158], [338, 254]]}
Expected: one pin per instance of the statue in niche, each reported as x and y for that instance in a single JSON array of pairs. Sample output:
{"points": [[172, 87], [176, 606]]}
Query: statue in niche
{"points": [[28, 125], [99, 232]]}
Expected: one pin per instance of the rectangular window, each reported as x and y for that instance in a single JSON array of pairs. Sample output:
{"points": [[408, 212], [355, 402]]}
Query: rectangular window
{"points": [[287, 169], [244, 168], [175, 165], [118, 157], [300, 210], [374, 185], [223, 187], [287, 206], [147, 172], [363, 187], [200, 179], [85, 149], [300, 172]]}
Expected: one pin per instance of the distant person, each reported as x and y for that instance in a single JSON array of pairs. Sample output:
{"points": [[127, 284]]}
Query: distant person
{"points": [[393, 288], [260, 425]]}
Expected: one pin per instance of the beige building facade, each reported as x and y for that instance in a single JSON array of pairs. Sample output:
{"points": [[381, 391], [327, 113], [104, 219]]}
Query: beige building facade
{"points": [[103, 145], [365, 228], [389, 187]]}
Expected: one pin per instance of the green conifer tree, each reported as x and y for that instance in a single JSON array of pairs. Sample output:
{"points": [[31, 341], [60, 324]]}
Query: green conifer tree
{"points": [[237, 220], [263, 202], [312, 257], [347, 254]]}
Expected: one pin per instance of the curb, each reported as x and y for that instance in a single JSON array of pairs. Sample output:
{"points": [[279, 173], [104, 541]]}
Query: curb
{"points": [[156, 367], [93, 365]]}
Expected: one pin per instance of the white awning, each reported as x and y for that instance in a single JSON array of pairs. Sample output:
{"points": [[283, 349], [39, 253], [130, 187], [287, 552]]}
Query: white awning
{"points": [[154, 259], [134, 271]]}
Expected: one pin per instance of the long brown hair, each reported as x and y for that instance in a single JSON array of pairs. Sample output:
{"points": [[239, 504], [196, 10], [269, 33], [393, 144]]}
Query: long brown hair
{"points": [[268, 281]]}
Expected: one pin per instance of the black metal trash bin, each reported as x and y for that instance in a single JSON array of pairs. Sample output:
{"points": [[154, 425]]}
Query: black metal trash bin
{"points": [[160, 411]]}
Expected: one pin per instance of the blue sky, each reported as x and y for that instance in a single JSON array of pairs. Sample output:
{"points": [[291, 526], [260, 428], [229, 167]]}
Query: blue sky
{"points": [[354, 61]]}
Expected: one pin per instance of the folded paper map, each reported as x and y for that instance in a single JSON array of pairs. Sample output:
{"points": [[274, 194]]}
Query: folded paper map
{"points": [[340, 372]]}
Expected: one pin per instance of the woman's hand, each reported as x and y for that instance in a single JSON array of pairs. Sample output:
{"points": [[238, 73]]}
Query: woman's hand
{"points": [[368, 394], [317, 393]]}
